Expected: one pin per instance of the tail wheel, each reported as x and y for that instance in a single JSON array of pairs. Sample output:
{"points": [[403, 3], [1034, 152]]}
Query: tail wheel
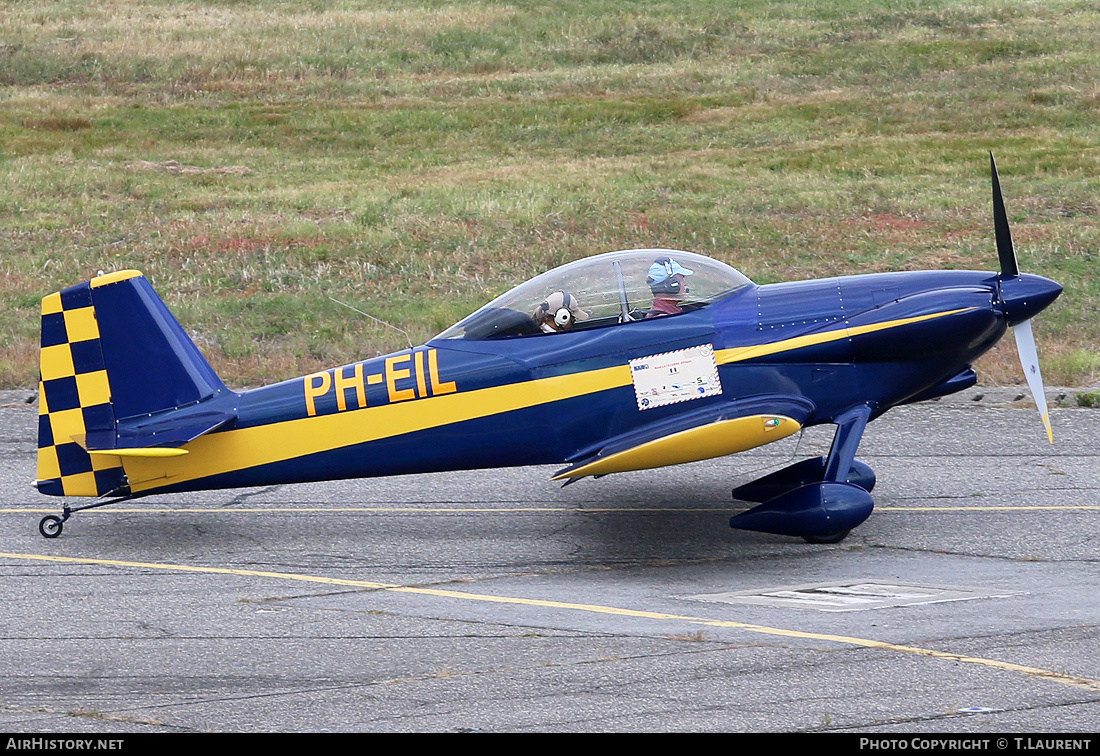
{"points": [[50, 526]]}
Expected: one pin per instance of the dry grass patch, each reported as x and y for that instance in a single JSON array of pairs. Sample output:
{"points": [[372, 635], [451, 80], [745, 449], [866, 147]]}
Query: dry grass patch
{"points": [[175, 168], [417, 158]]}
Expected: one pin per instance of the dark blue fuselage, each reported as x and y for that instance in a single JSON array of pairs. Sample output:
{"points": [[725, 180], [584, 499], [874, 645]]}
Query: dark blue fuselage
{"points": [[876, 340]]}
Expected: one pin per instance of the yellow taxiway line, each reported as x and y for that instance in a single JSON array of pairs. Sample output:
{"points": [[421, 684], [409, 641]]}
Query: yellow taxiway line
{"points": [[1044, 674], [381, 510], [579, 508]]}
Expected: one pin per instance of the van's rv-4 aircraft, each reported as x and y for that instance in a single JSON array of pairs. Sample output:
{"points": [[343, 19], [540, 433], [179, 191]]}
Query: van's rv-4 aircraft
{"points": [[622, 361]]}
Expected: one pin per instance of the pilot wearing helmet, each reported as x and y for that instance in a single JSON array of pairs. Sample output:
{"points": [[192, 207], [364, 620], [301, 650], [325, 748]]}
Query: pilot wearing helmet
{"points": [[558, 312], [666, 281]]}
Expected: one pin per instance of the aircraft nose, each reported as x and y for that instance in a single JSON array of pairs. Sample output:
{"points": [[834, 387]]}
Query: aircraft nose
{"points": [[1024, 296]]}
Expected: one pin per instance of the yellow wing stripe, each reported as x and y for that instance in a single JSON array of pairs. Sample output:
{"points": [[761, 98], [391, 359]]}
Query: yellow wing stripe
{"points": [[704, 442], [233, 450]]}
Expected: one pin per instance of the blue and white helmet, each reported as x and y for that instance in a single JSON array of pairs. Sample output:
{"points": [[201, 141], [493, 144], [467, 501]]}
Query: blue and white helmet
{"points": [[662, 276]]}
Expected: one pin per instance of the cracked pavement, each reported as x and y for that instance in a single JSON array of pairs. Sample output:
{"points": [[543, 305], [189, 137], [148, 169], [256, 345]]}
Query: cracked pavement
{"points": [[498, 601]]}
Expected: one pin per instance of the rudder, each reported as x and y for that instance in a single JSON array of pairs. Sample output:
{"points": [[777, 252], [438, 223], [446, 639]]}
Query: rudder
{"points": [[116, 369], [74, 398]]}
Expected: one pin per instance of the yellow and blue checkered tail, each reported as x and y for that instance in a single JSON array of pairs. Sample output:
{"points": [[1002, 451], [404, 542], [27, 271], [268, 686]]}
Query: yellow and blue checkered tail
{"points": [[119, 378], [74, 399]]}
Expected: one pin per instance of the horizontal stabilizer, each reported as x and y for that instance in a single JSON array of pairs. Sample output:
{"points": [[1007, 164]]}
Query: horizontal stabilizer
{"points": [[151, 452], [165, 429], [175, 428]]}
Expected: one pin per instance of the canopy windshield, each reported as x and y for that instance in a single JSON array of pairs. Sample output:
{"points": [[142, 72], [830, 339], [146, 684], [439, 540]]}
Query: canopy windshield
{"points": [[608, 289]]}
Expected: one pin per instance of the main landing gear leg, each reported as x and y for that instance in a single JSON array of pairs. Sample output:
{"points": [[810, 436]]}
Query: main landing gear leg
{"points": [[825, 511]]}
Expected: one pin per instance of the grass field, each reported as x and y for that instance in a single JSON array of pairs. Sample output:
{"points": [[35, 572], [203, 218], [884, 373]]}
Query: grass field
{"points": [[415, 159]]}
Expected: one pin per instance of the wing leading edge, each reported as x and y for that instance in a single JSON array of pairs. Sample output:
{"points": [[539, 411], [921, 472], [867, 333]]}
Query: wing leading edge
{"points": [[713, 431]]}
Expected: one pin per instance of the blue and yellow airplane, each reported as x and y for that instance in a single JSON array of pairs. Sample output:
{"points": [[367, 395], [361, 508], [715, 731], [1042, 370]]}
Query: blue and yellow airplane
{"points": [[622, 361]]}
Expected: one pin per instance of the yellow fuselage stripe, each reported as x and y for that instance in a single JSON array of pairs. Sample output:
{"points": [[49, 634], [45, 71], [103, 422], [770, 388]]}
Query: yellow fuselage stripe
{"points": [[740, 354], [249, 447], [240, 449]]}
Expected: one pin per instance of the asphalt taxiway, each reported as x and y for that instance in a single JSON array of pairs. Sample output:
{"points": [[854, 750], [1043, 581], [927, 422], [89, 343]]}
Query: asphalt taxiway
{"points": [[498, 601]]}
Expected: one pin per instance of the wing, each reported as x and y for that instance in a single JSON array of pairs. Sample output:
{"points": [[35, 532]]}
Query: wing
{"points": [[713, 431]]}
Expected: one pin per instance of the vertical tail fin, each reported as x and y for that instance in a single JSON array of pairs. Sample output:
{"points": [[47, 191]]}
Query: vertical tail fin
{"points": [[119, 376], [74, 399]]}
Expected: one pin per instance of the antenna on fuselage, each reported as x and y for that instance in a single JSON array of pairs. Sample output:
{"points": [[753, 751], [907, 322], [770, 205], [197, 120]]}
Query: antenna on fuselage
{"points": [[376, 320]]}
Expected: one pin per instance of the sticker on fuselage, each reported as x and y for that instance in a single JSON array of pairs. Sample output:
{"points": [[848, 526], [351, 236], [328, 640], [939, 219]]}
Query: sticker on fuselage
{"points": [[672, 377]]}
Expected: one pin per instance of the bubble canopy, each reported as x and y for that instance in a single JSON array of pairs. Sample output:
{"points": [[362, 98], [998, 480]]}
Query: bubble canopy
{"points": [[605, 290]]}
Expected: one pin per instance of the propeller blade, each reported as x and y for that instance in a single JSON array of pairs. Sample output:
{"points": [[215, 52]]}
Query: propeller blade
{"points": [[1029, 360], [1005, 251]]}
